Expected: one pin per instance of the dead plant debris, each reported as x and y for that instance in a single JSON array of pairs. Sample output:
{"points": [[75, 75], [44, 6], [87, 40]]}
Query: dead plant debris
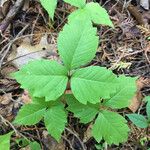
{"points": [[27, 33]]}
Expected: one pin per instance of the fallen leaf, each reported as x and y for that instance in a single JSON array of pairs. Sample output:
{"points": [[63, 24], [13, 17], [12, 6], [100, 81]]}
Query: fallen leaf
{"points": [[5, 99], [26, 99], [8, 85], [4, 8], [87, 133], [145, 4], [136, 101], [2, 2], [26, 5], [26, 52], [6, 71]]}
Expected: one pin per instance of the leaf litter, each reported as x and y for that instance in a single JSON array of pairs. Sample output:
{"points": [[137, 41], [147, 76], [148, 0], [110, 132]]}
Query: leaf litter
{"points": [[123, 49]]}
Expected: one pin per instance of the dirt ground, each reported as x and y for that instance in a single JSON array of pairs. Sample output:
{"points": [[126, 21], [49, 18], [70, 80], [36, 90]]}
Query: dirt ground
{"points": [[27, 31]]}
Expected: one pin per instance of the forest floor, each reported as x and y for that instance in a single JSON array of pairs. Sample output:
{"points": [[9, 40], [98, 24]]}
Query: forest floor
{"points": [[27, 31]]}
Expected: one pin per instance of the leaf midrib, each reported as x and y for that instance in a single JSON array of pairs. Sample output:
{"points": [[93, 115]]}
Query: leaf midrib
{"points": [[102, 82], [44, 75], [76, 48]]}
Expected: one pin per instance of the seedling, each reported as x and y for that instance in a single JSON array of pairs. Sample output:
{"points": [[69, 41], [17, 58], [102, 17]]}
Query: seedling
{"points": [[95, 90]]}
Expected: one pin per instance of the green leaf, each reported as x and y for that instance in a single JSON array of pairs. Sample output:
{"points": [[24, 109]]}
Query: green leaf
{"points": [[22, 142], [79, 14], [148, 107], [30, 114], [43, 78], [35, 146], [77, 3], [92, 83], [138, 120], [111, 127], [85, 113], [49, 6], [77, 43], [125, 91], [99, 14], [93, 12], [5, 141], [55, 120]]}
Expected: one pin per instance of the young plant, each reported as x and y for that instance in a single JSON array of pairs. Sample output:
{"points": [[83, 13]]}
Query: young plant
{"points": [[95, 90], [90, 11], [140, 120]]}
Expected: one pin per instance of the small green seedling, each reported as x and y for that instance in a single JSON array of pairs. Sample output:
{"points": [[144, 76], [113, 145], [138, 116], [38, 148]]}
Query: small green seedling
{"points": [[95, 90], [140, 120]]}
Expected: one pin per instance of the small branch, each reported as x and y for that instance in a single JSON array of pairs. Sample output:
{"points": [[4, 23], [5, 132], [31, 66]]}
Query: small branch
{"points": [[82, 144], [133, 11], [11, 14], [10, 44], [12, 126]]}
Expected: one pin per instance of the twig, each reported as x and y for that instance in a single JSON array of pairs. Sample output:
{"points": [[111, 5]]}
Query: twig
{"points": [[11, 14], [133, 10], [10, 44], [12, 126], [7, 122], [51, 54], [82, 144], [68, 142]]}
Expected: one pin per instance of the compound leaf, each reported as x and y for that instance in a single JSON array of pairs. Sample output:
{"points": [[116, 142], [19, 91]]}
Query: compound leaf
{"points": [[43, 78], [85, 113], [77, 3], [30, 114], [5, 141], [92, 83], [55, 120], [98, 14], [138, 120], [77, 43], [125, 91], [111, 127], [49, 6]]}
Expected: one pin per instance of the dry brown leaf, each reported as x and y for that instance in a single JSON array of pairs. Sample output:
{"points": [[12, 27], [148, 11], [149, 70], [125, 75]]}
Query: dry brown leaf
{"points": [[4, 8], [2, 2], [7, 85], [5, 99], [136, 101], [6, 71], [26, 52], [26, 99], [87, 133], [26, 5]]}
